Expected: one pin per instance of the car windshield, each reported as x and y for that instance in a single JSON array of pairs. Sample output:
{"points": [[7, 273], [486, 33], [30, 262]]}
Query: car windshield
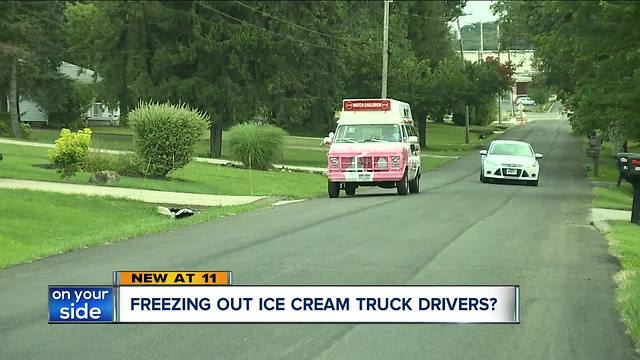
{"points": [[511, 149], [361, 133]]}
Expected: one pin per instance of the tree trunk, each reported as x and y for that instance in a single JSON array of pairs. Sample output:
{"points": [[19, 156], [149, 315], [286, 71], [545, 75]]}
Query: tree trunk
{"points": [[13, 99], [3, 104], [215, 141], [422, 129]]}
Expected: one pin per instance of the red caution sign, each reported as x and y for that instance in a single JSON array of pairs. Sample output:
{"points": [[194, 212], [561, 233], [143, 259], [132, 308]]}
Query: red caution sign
{"points": [[366, 105]]}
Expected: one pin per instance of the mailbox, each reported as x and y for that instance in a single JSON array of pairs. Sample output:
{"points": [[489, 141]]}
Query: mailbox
{"points": [[629, 167]]}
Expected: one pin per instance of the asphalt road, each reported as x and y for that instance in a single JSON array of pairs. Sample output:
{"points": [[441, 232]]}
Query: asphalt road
{"points": [[457, 231]]}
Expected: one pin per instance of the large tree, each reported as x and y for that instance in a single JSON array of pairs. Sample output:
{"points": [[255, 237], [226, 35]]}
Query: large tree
{"points": [[587, 51], [31, 44]]}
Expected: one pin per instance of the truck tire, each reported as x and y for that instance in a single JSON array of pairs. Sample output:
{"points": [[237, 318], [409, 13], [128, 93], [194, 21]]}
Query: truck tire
{"points": [[414, 185], [333, 189], [403, 185], [350, 189]]}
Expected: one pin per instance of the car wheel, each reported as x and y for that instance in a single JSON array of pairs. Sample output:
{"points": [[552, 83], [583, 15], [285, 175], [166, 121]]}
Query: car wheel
{"points": [[333, 189], [350, 189], [414, 185], [482, 178], [403, 185]]}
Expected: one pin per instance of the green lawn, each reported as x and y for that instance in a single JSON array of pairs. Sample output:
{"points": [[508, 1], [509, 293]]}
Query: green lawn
{"points": [[613, 198], [607, 195], [442, 139], [80, 221], [624, 240], [27, 162]]}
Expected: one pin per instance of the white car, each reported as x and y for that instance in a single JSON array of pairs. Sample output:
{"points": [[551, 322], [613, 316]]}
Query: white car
{"points": [[525, 100], [510, 160]]}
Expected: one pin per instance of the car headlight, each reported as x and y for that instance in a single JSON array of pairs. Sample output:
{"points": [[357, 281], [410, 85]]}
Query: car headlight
{"points": [[395, 161], [334, 161]]}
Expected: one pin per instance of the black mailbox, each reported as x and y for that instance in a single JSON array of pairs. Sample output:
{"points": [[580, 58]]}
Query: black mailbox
{"points": [[629, 166]]}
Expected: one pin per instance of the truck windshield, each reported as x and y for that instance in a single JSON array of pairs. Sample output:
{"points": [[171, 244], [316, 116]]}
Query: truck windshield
{"points": [[361, 133]]}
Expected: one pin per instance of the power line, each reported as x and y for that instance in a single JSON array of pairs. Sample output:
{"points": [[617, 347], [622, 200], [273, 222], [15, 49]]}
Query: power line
{"points": [[296, 25], [446, 18], [267, 30]]}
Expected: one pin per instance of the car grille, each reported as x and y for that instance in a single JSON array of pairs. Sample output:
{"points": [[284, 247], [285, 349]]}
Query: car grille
{"points": [[363, 163]]}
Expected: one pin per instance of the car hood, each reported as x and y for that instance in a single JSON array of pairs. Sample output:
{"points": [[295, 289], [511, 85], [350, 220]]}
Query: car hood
{"points": [[362, 149], [511, 159]]}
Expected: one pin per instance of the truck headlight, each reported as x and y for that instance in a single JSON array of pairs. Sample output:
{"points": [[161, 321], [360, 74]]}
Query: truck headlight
{"points": [[333, 162], [381, 163], [395, 161]]}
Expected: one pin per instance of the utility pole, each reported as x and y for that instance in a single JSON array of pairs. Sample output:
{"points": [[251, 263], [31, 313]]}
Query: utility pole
{"points": [[385, 49], [481, 41], [466, 107], [499, 64], [513, 106]]}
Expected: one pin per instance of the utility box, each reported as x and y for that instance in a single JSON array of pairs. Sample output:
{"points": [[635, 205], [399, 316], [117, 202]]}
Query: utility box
{"points": [[629, 167]]}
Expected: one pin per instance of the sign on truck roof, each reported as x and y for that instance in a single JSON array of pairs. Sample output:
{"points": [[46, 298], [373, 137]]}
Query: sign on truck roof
{"points": [[371, 111]]}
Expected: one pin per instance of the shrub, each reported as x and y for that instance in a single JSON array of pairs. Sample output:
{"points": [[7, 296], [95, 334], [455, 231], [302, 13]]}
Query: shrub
{"points": [[165, 136], [256, 145], [101, 161], [70, 151], [4, 124], [5, 127], [25, 130]]}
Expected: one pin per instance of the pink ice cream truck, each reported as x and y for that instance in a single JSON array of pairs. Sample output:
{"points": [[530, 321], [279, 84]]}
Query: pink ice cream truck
{"points": [[375, 144]]}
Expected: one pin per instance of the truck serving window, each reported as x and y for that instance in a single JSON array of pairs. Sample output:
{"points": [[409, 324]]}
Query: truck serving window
{"points": [[361, 133]]}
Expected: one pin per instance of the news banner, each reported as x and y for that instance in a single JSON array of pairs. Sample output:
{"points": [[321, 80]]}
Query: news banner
{"points": [[164, 297]]}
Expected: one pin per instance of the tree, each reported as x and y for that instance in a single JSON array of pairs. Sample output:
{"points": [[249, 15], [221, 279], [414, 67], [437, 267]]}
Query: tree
{"points": [[585, 50], [32, 43]]}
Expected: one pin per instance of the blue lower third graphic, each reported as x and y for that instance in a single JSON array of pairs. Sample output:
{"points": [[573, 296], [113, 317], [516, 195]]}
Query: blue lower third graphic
{"points": [[81, 304]]}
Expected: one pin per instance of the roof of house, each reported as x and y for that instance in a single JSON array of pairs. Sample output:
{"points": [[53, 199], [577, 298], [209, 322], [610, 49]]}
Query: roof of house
{"points": [[77, 73]]}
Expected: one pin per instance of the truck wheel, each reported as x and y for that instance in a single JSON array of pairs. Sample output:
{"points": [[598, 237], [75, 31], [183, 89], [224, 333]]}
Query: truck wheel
{"points": [[403, 185], [350, 189], [414, 185], [333, 189]]}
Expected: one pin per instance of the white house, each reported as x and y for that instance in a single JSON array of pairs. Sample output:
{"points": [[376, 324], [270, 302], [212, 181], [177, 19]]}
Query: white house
{"points": [[523, 61], [98, 114]]}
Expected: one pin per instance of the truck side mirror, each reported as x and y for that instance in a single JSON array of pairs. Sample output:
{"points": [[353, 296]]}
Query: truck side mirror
{"points": [[413, 139], [328, 140]]}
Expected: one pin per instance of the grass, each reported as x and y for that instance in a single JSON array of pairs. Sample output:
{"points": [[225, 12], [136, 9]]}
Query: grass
{"points": [[612, 198], [624, 244], [27, 162], [442, 139], [607, 194], [80, 221]]}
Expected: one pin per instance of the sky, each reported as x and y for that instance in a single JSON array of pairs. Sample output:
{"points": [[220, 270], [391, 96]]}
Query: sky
{"points": [[478, 11]]}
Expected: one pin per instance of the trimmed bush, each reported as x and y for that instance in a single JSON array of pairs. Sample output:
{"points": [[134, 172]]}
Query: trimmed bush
{"points": [[25, 130], [165, 136], [256, 145], [101, 161], [70, 151]]}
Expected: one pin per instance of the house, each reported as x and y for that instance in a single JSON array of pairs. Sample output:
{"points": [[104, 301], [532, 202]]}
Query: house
{"points": [[523, 61], [99, 114]]}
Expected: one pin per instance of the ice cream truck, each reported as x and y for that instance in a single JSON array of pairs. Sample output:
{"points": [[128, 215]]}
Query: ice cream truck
{"points": [[375, 144]]}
